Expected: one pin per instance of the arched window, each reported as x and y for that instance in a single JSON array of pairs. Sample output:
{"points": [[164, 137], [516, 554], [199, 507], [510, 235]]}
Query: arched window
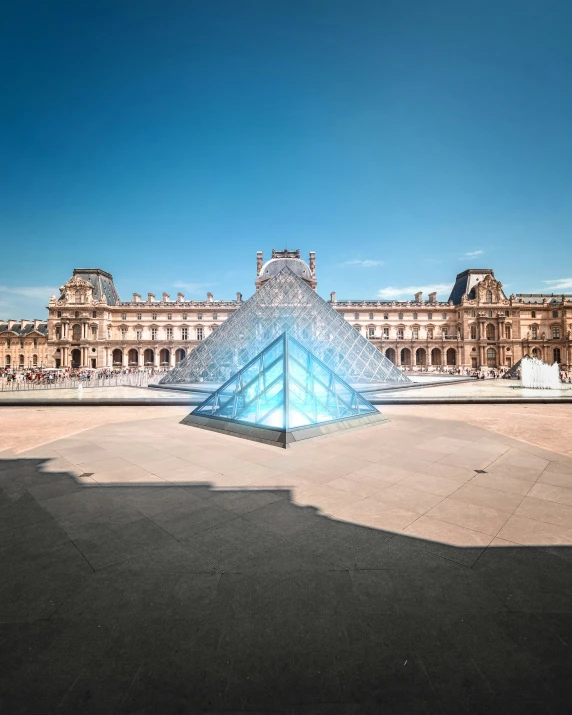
{"points": [[76, 333], [489, 296], [491, 357], [490, 331]]}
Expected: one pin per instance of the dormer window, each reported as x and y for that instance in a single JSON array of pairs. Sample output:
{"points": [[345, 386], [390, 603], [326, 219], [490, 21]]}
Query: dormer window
{"points": [[489, 296]]}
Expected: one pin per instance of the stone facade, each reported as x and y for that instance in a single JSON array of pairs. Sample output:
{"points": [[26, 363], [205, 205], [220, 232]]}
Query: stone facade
{"points": [[23, 343], [478, 326]]}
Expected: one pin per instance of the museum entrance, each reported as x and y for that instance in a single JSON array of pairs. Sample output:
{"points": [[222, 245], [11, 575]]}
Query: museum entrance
{"points": [[491, 357]]}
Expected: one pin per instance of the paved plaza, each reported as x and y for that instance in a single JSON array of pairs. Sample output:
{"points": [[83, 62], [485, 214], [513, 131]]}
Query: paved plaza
{"points": [[418, 566]]}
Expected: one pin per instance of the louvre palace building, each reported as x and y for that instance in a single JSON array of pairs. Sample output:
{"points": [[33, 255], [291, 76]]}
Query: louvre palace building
{"points": [[477, 327]]}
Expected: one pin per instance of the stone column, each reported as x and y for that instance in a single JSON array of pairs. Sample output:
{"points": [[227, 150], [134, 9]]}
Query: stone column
{"points": [[141, 357], [156, 357], [125, 357], [397, 355]]}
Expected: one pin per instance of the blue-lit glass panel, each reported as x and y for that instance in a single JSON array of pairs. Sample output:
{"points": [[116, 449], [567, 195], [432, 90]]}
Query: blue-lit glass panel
{"points": [[285, 369]]}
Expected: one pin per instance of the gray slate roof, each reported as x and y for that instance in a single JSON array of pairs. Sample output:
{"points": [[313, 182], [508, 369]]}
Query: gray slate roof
{"points": [[28, 328], [102, 283]]}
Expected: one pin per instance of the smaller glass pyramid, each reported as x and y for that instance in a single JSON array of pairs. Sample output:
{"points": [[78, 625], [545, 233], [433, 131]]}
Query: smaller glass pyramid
{"points": [[285, 387]]}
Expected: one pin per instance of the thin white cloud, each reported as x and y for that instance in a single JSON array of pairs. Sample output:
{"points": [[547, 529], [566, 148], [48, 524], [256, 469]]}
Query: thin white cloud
{"points": [[367, 263], [392, 292], [471, 254], [194, 288], [559, 284], [36, 292]]}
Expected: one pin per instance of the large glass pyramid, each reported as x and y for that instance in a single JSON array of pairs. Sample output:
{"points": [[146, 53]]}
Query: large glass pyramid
{"points": [[285, 387], [285, 304]]}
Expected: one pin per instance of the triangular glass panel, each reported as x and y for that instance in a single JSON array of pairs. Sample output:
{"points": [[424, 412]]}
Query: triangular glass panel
{"points": [[285, 387], [285, 304]]}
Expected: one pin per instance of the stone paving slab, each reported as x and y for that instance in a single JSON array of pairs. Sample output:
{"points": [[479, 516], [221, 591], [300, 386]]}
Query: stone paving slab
{"points": [[152, 567]]}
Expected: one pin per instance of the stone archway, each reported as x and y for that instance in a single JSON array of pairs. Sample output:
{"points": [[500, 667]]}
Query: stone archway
{"points": [[451, 357], [436, 357], [149, 357], [133, 357], [491, 357], [76, 358], [180, 355], [405, 356], [117, 357], [421, 357], [164, 357], [390, 355]]}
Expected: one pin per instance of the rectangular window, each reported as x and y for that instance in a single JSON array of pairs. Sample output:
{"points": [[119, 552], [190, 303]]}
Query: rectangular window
{"points": [[153, 333], [199, 316], [473, 332], [444, 331], [371, 316], [35, 342], [555, 332], [123, 316], [415, 333], [371, 332], [534, 332], [59, 313], [185, 333], [533, 314], [444, 316], [554, 313], [169, 333], [386, 316], [138, 316], [123, 333], [430, 333], [139, 334], [153, 316], [400, 333], [199, 332], [21, 343], [8, 343], [184, 316], [386, 332], [429, 316], [215, 316], [169, 316], [356, 316], [94, 314], [94, 333]]}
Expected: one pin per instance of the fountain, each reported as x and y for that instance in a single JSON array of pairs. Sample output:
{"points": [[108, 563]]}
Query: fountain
{"points": [[537, 374]]}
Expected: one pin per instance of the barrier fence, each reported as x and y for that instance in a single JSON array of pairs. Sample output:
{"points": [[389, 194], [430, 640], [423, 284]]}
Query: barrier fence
{"points": [[67, 383]]}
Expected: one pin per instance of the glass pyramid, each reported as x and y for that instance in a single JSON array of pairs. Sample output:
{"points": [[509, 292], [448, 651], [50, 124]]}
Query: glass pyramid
{"points": [[285, 387], [285, 304]]}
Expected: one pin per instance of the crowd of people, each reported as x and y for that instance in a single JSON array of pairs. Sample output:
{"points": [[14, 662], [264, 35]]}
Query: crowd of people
{"points": [[43, 376]]}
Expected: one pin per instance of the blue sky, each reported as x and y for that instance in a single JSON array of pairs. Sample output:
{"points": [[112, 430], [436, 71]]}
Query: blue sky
{"points": [[166, 142]]}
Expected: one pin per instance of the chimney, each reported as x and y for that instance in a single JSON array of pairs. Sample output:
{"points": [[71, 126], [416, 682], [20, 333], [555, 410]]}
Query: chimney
{"points": [[36, 324], [166, 297], [11, 324], [258, 262], [239, 297], [150, 297], [23, 322], [136, 298], [419, 297], [209, 297], [180, 297], [432, 297], [333, 296], [313, 263]]}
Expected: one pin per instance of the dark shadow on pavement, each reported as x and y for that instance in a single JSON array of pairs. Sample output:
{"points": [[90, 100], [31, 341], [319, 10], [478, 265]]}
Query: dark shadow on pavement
{"points": [[185, 599]]}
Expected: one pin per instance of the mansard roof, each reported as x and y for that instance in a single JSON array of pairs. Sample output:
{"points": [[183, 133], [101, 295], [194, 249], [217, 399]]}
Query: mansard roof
{"points": [[465, 283], [28, 328], [102, 283], [542, 297]]}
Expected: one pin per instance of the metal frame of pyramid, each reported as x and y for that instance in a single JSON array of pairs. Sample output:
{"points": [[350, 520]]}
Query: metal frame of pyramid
{"points": [[285, 394], [285, 303], [513, 371]]}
